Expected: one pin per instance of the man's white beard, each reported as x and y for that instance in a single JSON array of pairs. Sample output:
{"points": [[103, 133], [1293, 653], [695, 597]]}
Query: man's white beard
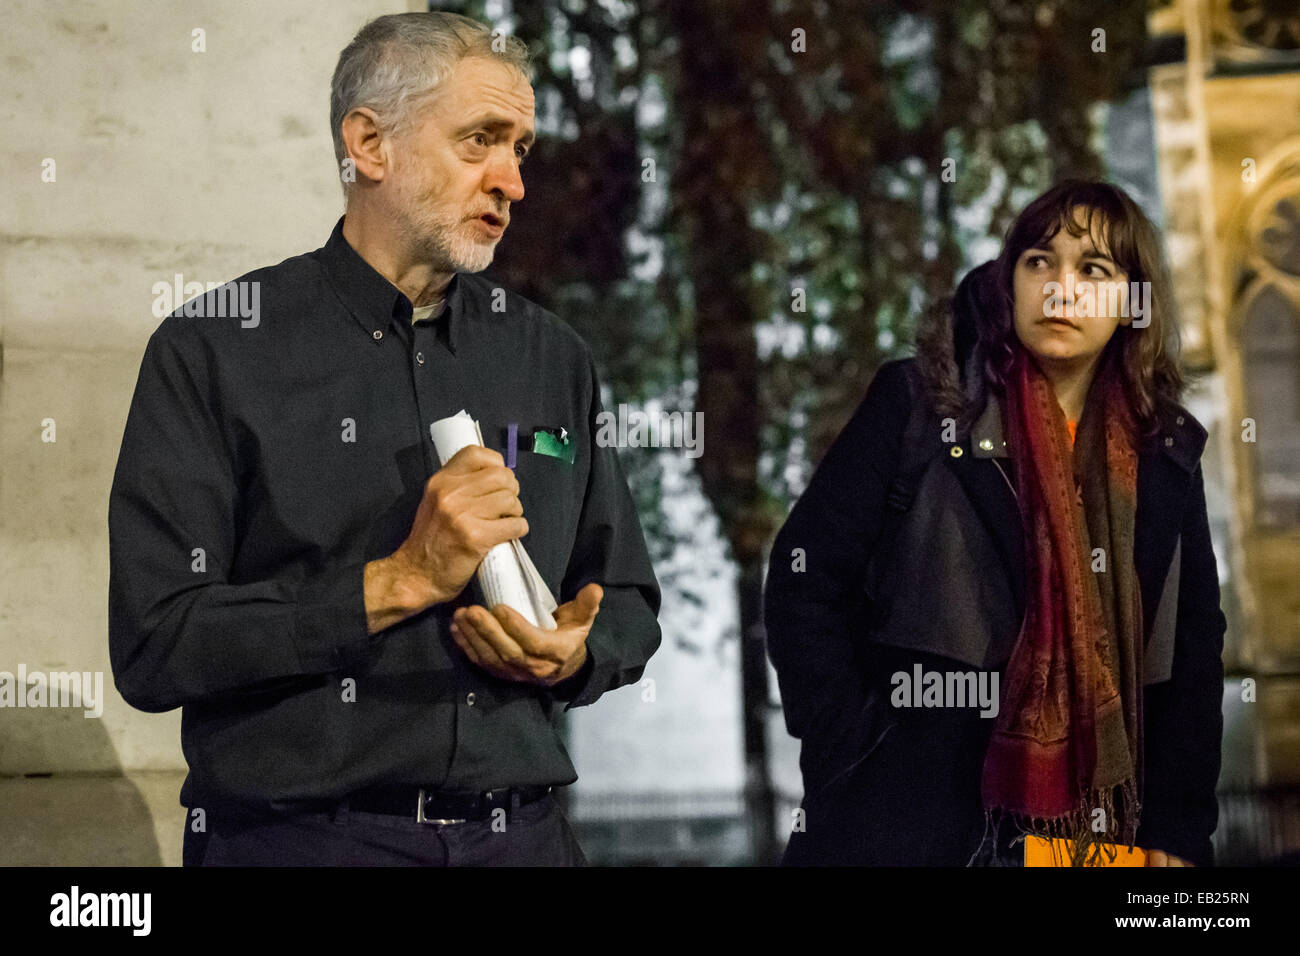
{"points": [[444, 241], [446, 244]]}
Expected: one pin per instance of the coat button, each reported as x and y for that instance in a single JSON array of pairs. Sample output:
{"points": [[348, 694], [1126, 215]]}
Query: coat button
{"points": [[1180, 419], [470, 698], [956, 451], [419, 357], [378, 335], [1169, 442], [986, 444]]}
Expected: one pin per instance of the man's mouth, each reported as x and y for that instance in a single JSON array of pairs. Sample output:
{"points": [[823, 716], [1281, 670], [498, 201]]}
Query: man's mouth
{"points": [[493, 224]]}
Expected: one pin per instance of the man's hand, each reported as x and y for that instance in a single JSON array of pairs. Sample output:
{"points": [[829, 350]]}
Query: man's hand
{"points": [[1161, 858], [469, 506], [507, 646]]}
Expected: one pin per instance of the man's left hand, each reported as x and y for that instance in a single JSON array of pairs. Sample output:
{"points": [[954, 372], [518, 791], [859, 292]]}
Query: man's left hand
{"points": [[1161, 858], [505, 645]]}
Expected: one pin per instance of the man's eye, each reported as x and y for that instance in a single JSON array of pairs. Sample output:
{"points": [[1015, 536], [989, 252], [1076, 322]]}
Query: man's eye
{"points": [[521, 153], [480, 139]]}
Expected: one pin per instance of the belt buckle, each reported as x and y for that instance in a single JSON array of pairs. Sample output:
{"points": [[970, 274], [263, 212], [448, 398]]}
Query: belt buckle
{"points": [[421, 818]]}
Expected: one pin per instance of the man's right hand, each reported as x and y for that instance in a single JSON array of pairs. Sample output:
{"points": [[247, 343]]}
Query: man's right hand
{"points": [[470, 505]]}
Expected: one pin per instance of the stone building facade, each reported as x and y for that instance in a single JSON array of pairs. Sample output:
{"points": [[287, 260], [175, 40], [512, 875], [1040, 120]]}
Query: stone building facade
{"points": [[1226, 108]]}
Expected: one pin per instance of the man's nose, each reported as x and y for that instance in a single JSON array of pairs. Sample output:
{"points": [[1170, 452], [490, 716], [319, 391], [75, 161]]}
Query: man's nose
{"points": [[503, 176]]}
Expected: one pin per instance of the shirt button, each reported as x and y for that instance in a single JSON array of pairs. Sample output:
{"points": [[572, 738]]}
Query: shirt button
{"points": [[469, 698], [986, 444], [378, 335], [419, 357]]}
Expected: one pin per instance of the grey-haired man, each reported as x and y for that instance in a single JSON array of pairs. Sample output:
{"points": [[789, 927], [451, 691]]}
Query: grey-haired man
{"points": [[290, 566]]}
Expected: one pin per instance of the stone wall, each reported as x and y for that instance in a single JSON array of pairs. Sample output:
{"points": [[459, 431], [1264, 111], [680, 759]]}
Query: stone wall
{"points": [[129, 156]]}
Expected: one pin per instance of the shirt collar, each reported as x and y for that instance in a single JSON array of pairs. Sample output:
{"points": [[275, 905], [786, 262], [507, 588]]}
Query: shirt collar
{"points": [[375, 302]]}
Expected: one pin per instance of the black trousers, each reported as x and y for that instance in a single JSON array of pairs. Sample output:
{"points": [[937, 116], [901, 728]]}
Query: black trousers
{"points": [[535, 835]]}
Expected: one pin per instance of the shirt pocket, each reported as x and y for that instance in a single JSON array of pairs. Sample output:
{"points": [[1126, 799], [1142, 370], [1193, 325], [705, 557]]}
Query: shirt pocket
{"points": [[551, 497]]}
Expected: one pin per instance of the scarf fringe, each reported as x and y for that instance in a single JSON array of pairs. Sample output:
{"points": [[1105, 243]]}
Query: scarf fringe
{"points": [[1085, 846]]}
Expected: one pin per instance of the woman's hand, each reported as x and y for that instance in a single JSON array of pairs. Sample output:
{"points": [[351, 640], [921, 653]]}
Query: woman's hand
{"points": [[1161, 858]]}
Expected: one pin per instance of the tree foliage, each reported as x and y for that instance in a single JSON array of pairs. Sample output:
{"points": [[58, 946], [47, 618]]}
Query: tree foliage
{"points": [[745, 205]]}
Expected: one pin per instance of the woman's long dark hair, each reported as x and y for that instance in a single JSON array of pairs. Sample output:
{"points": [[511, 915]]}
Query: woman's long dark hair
{"points": [[984, 303]]}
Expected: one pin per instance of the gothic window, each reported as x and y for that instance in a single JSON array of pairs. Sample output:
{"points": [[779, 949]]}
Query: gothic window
{"points": [[1268, 313], [1270, 347]]}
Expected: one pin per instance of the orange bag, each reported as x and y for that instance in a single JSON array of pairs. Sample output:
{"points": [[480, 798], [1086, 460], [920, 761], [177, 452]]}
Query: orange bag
{"points": [[1038, 852]]}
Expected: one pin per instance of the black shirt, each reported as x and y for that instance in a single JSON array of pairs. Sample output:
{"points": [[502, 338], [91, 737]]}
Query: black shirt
{"points": [[266, 460]]}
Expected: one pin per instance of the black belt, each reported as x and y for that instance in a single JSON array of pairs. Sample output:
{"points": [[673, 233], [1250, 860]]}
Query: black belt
{"points": [[441, 806]]}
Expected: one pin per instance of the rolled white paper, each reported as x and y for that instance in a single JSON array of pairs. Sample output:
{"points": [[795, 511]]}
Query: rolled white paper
{"points": [[507, 575]]}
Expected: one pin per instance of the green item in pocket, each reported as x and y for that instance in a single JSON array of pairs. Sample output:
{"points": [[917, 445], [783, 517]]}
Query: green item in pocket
{"points": [[559, 446]]}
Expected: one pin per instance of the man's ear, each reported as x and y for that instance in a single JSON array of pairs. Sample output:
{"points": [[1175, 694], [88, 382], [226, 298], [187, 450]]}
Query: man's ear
{"points": [[365, 143]]}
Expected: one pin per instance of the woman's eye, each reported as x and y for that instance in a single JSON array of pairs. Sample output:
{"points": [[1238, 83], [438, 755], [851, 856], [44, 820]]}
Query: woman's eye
{"points": [[1101, 271], [1033, 261]]}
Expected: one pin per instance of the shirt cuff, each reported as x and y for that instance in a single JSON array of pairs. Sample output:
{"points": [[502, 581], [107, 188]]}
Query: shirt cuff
{"points": [[330, 626], [572, 687]]}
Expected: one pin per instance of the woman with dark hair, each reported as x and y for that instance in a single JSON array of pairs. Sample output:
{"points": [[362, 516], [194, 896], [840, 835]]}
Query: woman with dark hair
{"points": [[994, 612]]}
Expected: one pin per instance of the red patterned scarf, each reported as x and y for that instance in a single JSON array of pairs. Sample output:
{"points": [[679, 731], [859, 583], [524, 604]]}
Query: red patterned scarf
{"points": [[1065, 758]]}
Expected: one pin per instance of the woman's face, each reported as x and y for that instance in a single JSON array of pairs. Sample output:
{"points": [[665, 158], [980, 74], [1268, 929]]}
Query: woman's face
{"points": [[1069, 298]]}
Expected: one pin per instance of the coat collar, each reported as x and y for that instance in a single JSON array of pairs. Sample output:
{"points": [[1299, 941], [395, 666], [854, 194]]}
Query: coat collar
{"points": [[986, 437], [1181, 438]]}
